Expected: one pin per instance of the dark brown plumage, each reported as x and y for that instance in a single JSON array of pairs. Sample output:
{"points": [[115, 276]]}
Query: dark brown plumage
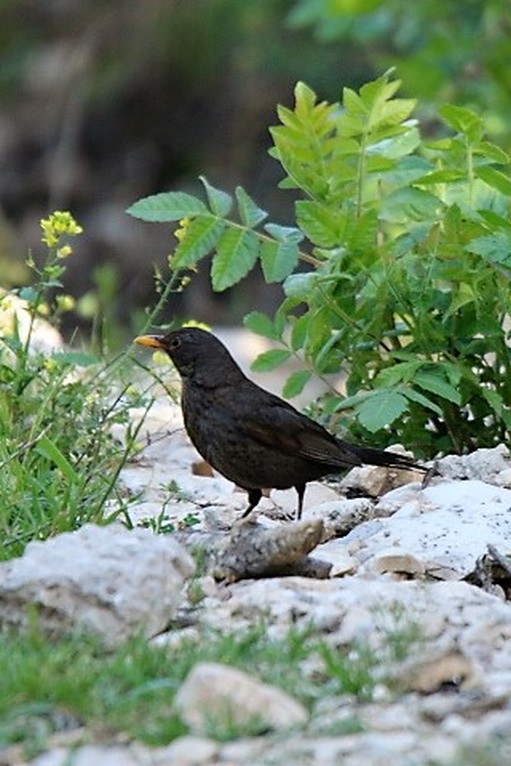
{"points": [[250, 436]]}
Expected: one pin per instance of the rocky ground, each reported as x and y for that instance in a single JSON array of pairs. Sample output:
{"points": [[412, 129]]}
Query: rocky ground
{"points": [[374, 553]]}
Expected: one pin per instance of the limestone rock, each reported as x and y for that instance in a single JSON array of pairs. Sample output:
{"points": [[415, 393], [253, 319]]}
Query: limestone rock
{"points": [[341, 516], [14, 313], [447, 527], [337, 554], [393, 560], [253, 550], [105, 580], [215, 695], [492, 465], [284, 500], [430, 673], [89, 755], [187, 751], [374, 481], [445, 616]]}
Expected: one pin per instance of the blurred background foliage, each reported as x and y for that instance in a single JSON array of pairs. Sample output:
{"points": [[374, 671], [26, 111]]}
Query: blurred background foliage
{"points": [[445, 50], [103, 102]]}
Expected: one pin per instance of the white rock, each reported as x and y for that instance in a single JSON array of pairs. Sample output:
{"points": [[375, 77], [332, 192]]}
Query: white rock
{"points": [[315, 494], [88, 755], [341, 516], [215, 695], [186, 751], [14, 313], [394, 500], [394, 560], [107, 580], [487, 464], [356, 609], [337, 554], [374, 481], [244, 751], [446, 527]]}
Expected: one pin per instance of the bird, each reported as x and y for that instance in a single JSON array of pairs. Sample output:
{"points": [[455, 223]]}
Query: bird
{"points": [[253, 437]]}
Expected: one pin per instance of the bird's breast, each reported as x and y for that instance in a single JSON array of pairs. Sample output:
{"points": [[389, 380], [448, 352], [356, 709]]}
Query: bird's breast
{"points": [[208, 422]]}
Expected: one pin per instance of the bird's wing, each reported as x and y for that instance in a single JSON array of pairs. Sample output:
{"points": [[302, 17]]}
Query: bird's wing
{"points": [[279, 426]]}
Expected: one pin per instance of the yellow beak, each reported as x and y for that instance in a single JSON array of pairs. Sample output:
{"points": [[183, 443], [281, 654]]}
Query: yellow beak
{"points": [[154, 341]]}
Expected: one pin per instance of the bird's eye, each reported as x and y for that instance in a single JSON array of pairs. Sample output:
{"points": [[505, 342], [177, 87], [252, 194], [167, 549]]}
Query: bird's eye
{"points": [[174, 343]]}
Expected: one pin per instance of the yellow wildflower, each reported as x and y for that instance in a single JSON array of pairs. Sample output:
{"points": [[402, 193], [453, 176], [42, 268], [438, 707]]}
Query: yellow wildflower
{"points": [[65, 302], [59, 224], [64, 251], [50, 364], [180, 233]]}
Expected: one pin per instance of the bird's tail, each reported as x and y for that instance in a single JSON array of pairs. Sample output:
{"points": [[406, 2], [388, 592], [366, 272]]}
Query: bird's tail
{"points": [[373, 456]]}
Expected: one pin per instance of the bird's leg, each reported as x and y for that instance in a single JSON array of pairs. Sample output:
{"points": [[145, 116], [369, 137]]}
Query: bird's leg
{"points": [[300, 488], [254, 495]]}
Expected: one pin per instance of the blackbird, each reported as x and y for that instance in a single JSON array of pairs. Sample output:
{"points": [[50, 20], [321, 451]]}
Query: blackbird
{"points": [[250, 436]]}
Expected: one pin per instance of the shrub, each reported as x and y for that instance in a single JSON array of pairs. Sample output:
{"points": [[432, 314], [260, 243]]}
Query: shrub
{"points": [[397, 271]]}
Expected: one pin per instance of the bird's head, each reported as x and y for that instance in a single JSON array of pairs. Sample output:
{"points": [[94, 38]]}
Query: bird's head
{"points": [[195, 353]]}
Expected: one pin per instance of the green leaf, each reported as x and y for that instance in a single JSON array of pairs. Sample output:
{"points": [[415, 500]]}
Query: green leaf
{"points": [[377, 164], [237, 252], [442, 177], [268, 360], [352, 103], [495, 178], [381, 409], [305, 98], [363, 232], [322, 225], [459, 298], [494, 399], [395, 112], [296, 382], [424, 401], [437, 385], [374, 110], [411, 204], [492, 152], [219, 201], [250, 213], [299, 330], [278, 259], [495, 220], [27, 293], [302, 143], [284, 233], [398, 146], [300, 285], [464, 121], [48, 449], [262, 325], [350, 402], [167, 206], [280, 318], [201, 236], [397, 373], [77, 358], [495, 248]]}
